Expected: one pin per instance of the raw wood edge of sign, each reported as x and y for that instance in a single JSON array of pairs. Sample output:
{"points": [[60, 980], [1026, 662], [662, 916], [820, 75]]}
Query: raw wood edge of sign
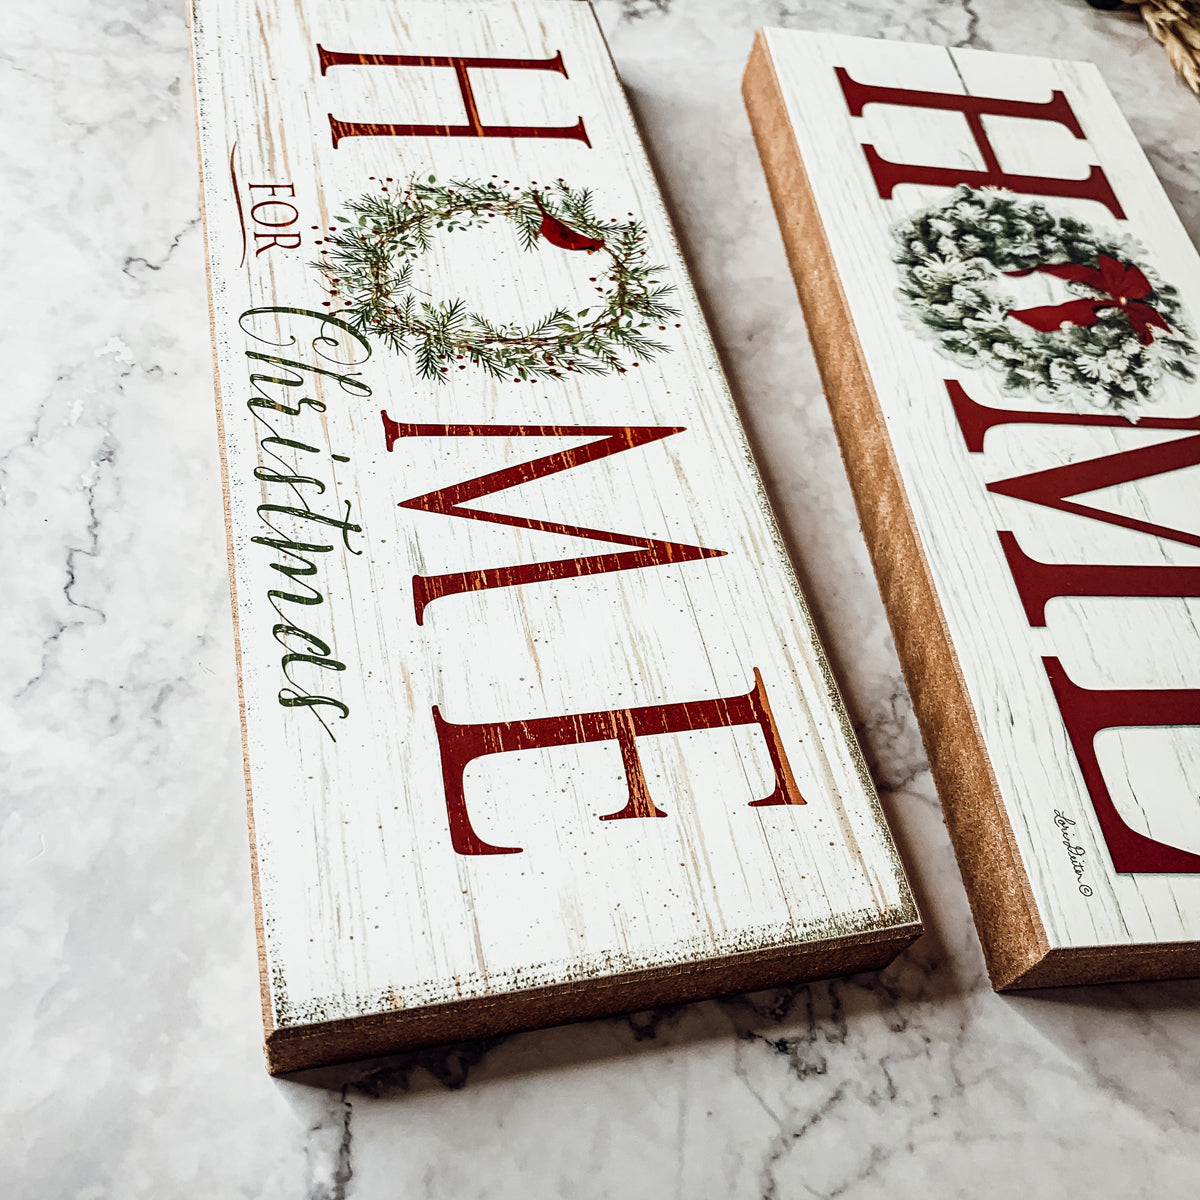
{"points": [[326, 1044], [264, 979], [1014, 941]]}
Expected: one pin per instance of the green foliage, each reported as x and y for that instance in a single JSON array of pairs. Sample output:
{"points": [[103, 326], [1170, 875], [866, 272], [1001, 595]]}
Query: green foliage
{"points": [[371, 263], [950, 259]]}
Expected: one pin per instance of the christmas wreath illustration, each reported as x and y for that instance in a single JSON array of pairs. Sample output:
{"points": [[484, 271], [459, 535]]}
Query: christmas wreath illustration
{"points": [[368, 267], [1109, 345]]}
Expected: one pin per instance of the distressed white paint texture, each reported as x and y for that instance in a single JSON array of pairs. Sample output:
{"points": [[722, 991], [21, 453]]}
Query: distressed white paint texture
{"points": [[127, 979], [1153, 774], [366, 906]]}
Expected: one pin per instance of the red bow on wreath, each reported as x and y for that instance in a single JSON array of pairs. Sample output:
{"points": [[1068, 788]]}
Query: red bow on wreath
{"points": [[1123, 284]]}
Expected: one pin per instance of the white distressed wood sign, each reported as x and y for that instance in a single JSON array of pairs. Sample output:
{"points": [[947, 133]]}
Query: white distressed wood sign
{"points": [[1006, 311], [536, 723]]}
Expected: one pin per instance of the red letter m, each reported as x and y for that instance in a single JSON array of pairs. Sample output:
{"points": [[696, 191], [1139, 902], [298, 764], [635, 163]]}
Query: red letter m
{"points": [[1085, 711], [450, 501]]}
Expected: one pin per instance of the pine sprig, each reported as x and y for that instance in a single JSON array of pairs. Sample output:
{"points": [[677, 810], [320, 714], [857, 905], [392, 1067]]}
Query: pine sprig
{"points": [[371, 259], [951, 258]]}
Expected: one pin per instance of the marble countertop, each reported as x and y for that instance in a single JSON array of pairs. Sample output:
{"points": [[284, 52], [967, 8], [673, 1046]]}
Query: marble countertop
{"points": [[129, 1013]]}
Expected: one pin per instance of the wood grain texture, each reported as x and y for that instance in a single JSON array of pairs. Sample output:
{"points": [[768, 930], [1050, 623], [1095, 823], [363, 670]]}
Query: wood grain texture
{"points": [[996, 740], [536, 722]]}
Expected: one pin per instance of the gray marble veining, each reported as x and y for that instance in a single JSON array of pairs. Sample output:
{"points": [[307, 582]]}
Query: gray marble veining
{"points": [[128, 987]]}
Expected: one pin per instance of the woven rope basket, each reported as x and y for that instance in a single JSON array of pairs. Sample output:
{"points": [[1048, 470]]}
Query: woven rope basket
{"points": [[1174, 23]]}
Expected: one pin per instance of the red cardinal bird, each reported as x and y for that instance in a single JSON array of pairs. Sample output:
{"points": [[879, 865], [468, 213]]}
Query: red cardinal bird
{"points": [[1125, 287], [563, 236]]}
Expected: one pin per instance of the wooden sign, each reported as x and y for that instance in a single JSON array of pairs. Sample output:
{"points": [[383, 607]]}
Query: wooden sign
{"points": [[1006, 311], [536, 722]]}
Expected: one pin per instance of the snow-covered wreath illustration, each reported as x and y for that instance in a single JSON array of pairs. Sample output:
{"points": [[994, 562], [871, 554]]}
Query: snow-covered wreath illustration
{"points": [[1108, 347], [368, 269]]}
